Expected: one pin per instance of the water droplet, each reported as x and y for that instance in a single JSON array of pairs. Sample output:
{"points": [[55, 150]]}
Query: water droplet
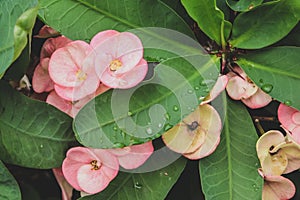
{"points": [[167, 127], [256, 189], [254, 186], [123, 134], [137, 185], [196, 87], [256, 165], [159, 125], [190, 91], [115, 128], [267, 88], [129, 113], [201, 98], [287, 102], [170, 178], [167, 116], [119, 145], [166, 174], [149, 131], [41, 146], [175, 108], [261, 81]]}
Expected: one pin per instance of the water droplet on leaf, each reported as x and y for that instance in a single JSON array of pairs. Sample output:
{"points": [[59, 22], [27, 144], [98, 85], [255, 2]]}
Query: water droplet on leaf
{"points": [[41, 146], [267, 88], [159, 125], [149, 131], [115, 128], [287, 102], [137, 185], [167, 127], [175, 108], [190, 91], [196, 87], [167, 116], [129, 113], [119, 145]]}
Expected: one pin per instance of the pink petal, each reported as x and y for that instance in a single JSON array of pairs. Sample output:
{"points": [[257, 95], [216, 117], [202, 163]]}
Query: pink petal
{"points": [[46, 32], [94, 181], [258, 100], [238, 88], [70, 168], [126, 80], [53, 44], [60, 103], [296, 134], [102, 36], [66, 62], [65, 187], [135, 157], [217, 89], [88, 87], [41, 81], [296, 118], [125, 47], [285, 114], [278, 188]]}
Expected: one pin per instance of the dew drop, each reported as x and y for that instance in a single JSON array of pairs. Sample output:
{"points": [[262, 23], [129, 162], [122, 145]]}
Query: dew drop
{"points": [[201, 98], [115, 128], [167, 116], [41, 146], [254, 186], [129, 113], [119, 145], [159, 125], [170, 178], [190, 91], [287, 102], [175, 108], [261, 81], [137, 185], [267, 88], [196, 87], [149, 131], [167, 127]]}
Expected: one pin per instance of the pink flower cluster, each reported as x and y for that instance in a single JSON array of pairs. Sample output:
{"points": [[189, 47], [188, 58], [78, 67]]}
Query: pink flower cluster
{"points": [[75, 71]]}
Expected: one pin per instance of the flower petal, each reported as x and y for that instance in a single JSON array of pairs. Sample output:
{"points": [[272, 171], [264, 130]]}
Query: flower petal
{"points": [[41, 81], [53, 44], [66, 62], [126, 80], [65, 187], [219, 86], [136, 155], [238, 88], [60, 103], [102, 36], [285, 114], [278, 188], [258, 100]]}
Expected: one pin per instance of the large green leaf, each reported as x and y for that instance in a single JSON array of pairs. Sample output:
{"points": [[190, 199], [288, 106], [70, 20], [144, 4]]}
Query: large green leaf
{"points": [[9, 188], [10, 11], [263, 25], [124, 117], [84, 18], [231, 171], [32, 133], [147, 186], [243, 5], [276, 71], [292, 39], [210, 19]]}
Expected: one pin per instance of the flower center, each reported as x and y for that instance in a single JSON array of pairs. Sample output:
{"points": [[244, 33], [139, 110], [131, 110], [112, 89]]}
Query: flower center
{"points": [[115, 65], [95, 165], [193, 126], [81, 76]]}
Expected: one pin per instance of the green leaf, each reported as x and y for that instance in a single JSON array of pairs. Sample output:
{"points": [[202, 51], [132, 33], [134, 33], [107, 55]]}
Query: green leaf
{"points": [[210, 19], [91, 17], [243, 5], [276, 71], [147, 186], [9, 188], [32, 133], [263, 25], [10, 11], [125, 117], [231, 171], [292, 39]]}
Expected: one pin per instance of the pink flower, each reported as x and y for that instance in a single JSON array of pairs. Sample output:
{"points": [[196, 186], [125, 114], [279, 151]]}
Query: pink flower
{"points": [[41, 81], [65, 187], [69, 107], [118, 59], [290, 119], [73, 75], [132, 157], [90, 170], [277, 187], [46, 32], [198, 134], [241, 87]]}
